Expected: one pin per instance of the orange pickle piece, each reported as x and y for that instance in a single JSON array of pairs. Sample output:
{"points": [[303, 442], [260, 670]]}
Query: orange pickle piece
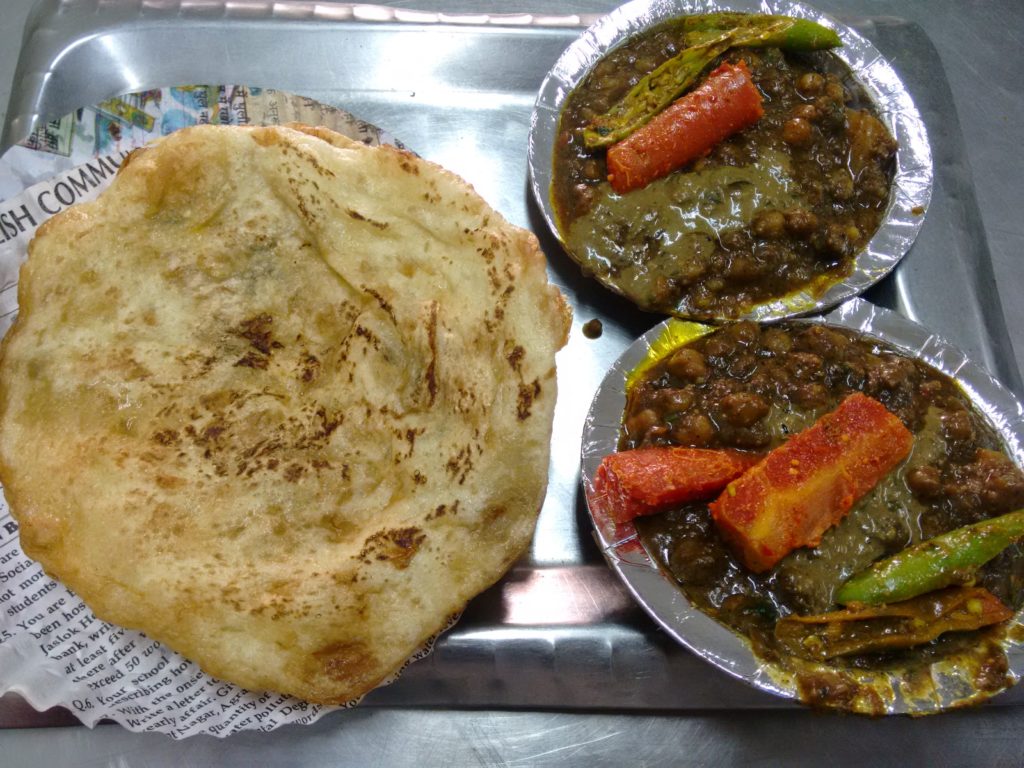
{"points": [[808, 484], [649, 480]]}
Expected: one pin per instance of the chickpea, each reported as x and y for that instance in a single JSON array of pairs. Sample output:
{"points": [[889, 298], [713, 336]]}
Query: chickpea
{"points": [[958, 426], [645, 64], [701, 298], [805, 366], [675, 400], [836, 242], [656, 434], [638, 424], [604, 69], [892, 373], [746, 332], [807, 112], [688, 365], [734, 240], [812, 395], [835, 91], [615, 82], [719, 345], [856, 375], [743, 366], [726, 154], [695, 562], [797, 132], [777, 341], [665, 289], [719, 389], [814, 191], [743, 268], [769, 224], [800, 222], [584, 196], [694, 429], [824, 341], [810, 84], [930, 390], [832, 115], [840, 184], [592, 170], [744, 409], [925, 482]]}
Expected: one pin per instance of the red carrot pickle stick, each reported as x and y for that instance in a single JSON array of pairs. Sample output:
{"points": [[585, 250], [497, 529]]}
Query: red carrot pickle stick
{"points": [[808, 484], [727, 102], [649, 480]]}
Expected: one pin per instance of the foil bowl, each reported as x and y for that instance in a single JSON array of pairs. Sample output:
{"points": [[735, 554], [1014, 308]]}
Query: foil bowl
{"points": [[911, 188], [946, 683]]}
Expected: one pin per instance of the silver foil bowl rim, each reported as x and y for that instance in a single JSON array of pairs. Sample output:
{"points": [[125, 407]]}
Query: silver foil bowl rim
{"points": [[714, 642], [913, 177]]}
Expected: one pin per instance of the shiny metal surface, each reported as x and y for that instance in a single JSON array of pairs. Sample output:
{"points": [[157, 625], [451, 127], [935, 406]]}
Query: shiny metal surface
{"points": [[396, 738], [464, 94], [712, 641], [911, 183]]}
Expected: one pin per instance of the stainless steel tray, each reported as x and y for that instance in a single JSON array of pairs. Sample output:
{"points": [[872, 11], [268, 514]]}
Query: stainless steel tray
{"points": [[559, 631]]}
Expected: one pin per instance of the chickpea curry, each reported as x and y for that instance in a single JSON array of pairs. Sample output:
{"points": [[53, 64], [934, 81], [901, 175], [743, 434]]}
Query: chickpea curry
{"points": [[783, 203], [920, 562]]}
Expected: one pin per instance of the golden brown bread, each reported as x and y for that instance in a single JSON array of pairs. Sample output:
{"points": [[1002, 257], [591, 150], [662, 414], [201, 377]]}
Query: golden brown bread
{"points": [[280, 400]]}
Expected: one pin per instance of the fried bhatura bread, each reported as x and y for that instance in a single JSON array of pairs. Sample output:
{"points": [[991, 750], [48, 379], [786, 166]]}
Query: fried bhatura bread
{"points": [[280, 400]]}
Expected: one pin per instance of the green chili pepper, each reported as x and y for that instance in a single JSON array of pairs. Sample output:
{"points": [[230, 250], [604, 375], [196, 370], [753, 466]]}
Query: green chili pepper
{"points": [[708, 37], [933, 564], [876, 629], [761, 31], [655, 92]]}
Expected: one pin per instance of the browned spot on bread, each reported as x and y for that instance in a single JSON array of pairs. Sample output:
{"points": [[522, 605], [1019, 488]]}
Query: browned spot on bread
{"points": [[293, 472], [461, 464], [410, 437], [265, 137], [494, 278], [167, 437], [409, 167], [431, 376], [309, 368], [252, 360], [258, 331], [515, 357], [346, 661], [443, 509], [370, 336], [132, 156], [211, 432], [382, 225], [339, 527], [396, 546], [527, 394], [492, 514], [383, 304]]}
